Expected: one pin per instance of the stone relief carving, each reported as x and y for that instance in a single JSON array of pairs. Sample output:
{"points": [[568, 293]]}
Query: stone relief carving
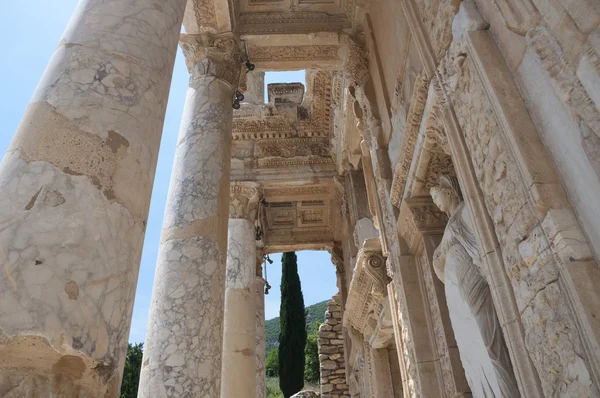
{"points": [[218, 56], [531, 263], [264, 54], [409, 139], [457, 263], [204, 11], [291, 147], [436, 16], [357, 63], [545, 48]]}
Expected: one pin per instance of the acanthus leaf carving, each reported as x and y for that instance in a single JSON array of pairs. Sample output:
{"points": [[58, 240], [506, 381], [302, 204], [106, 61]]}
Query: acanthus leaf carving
{"points": [[212, 55], [243, 200]]}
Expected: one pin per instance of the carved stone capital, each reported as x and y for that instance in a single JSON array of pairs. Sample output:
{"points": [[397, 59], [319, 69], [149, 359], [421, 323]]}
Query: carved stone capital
{"points": [[368, 286], [375, 267], [243, 200], [212, 55]]}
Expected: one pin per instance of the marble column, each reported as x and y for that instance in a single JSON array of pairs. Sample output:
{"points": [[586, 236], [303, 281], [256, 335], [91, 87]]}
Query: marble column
{"points": [[182, 353], [238, 376], [261, 370], [75, 188]]}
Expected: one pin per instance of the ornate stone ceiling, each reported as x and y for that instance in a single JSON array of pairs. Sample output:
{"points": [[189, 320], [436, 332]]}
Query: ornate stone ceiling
{"points": [[285, 145]]}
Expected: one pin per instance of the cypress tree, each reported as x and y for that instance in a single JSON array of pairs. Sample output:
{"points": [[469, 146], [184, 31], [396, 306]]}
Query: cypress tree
{"points": [[292, 335]]}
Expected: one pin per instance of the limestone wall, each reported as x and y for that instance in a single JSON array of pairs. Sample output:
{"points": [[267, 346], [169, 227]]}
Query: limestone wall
{"points": [[331, 353]]}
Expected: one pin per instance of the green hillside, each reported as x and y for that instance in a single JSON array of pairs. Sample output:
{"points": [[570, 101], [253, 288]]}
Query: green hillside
{"points": [[315, 312]]}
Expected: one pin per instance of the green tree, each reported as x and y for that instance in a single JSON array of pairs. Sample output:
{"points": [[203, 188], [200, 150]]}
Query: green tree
{"points": [[292, 337], [272, 363], [312, 373], [131, 374]]}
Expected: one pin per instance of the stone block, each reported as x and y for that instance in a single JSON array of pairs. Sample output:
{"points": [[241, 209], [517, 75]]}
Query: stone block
{"points": [[326, 388], [328, 349], [328, 365], [327, 335]]}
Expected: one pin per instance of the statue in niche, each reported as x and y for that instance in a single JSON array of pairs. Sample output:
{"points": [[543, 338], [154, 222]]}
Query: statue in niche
{"points": [[478, 332]]}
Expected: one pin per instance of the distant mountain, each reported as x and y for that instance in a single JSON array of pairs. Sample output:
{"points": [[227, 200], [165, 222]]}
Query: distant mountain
{"points": [[315, 312]]}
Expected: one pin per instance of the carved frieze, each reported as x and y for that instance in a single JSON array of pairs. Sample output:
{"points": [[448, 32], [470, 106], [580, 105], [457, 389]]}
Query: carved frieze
{"points": [[309, 53], [291, 147], [214, 55]]}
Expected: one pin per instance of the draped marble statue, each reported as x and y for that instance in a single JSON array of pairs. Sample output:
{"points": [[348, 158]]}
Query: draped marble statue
{"points": [[478, 332]]}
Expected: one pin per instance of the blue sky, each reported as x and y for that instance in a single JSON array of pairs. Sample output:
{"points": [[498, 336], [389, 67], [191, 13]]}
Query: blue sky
{"points": [[31, 30]]}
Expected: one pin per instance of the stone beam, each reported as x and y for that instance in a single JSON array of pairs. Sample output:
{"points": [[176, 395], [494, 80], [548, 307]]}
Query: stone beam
{"points": [[296, 51]]}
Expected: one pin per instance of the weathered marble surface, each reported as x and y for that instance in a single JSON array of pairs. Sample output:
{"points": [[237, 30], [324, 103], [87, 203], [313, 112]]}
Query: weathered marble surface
{"points": [[239, 334], [75, 190], [261, 370], [182, 353]]}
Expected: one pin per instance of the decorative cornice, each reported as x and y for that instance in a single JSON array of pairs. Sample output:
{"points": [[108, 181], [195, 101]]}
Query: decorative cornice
{"points": [[409, 139], [357, 63], [212, 55], [243, 200]]}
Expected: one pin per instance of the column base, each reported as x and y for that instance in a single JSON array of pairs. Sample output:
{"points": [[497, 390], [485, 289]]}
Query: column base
{"points": [[30, 367]]}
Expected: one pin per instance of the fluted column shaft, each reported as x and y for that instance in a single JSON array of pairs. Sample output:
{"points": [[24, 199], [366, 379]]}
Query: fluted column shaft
{"points": [[182, 353], [239, 335], [75, 190], [261, 370]]}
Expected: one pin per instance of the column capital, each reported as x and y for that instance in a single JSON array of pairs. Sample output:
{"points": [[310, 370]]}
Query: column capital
{"points": [[243, 200], [213, 55]]}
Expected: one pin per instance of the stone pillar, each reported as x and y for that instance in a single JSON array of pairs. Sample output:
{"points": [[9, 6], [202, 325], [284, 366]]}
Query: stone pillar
{"points": [[75, 188], [239, 335], [331, 352], [261, 370], [382, 376], [182, 354]]}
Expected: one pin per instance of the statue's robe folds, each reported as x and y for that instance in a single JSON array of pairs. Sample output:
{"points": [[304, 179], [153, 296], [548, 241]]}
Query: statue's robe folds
{"points": [[478, 332]]}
